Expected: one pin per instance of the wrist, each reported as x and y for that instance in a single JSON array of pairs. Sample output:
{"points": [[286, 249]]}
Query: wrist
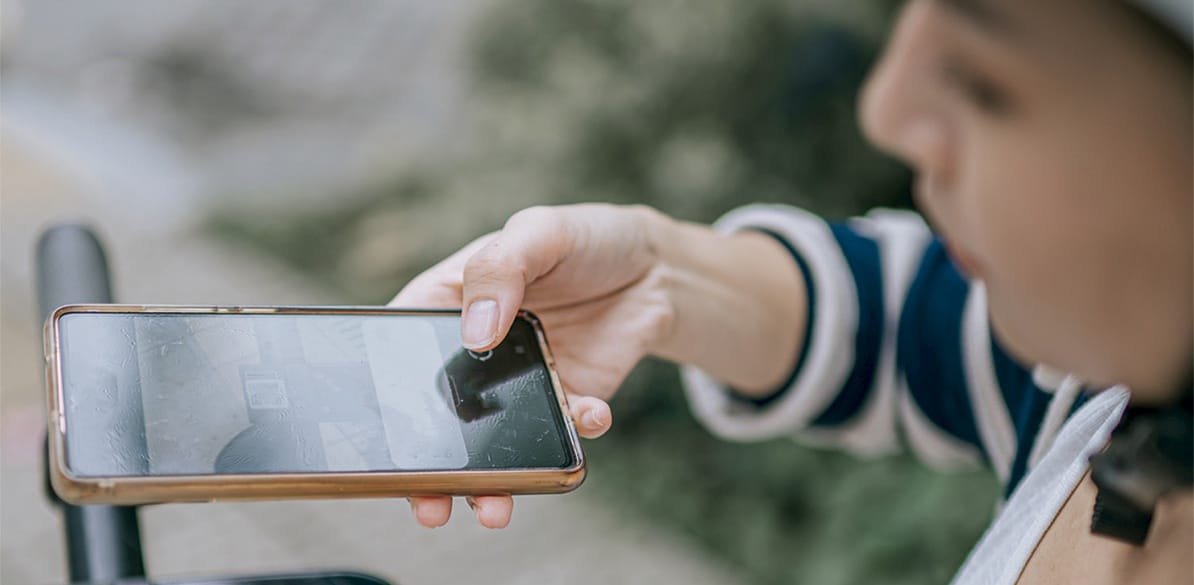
{"points": [[659, 233], [737, 302]]}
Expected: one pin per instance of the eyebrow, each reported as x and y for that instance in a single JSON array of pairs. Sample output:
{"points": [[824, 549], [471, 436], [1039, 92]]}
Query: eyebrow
{"points": [[982, 13]]}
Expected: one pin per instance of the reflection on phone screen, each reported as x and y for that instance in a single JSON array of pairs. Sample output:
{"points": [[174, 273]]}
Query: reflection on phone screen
{"points": [[185, 394]]}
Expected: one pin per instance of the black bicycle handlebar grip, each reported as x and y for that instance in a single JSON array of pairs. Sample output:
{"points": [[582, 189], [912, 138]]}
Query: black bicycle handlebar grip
{"points": [[103, 543], [71, 268]]}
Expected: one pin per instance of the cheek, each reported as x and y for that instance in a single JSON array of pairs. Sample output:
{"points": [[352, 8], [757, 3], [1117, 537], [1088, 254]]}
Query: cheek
{"points": [[1015, 214], [1080, 274]]}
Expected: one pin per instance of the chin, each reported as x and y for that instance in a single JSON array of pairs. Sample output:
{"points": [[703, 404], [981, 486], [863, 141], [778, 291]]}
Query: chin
{"points": [[1024, 347], [1010, 338], [1022, 344]]}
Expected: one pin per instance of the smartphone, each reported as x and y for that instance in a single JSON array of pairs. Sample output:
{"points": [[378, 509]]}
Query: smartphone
{"points": [[169, 404]]}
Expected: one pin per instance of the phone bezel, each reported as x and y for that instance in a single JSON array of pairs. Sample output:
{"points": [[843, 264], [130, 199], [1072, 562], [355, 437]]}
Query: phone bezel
{"points": [[128, 490]]}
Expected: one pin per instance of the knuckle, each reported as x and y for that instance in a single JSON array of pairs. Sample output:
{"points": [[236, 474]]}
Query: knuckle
{"points": [[642, 209], [545, 226], [538, 216], [488, 269]]}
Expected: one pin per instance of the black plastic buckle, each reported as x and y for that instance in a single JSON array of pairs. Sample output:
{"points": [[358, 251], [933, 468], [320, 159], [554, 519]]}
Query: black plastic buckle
{"points": [[1151, 453]]}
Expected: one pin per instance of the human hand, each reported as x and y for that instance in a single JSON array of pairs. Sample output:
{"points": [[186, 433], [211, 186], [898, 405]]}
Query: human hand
{"points": [[591, 275]]}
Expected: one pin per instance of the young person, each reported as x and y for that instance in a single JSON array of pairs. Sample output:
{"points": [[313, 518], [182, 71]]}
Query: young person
{"points": [[1052, 143]]}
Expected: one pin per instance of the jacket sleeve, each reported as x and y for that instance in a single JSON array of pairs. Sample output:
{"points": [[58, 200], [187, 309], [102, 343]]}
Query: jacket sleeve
{"points": [[898, 354]]}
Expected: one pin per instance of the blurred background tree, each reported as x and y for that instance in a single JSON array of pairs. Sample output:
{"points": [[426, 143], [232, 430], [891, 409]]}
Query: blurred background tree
{"points": [[693, 109]]}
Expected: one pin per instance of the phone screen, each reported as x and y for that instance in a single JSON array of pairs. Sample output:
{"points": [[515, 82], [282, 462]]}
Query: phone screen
{"points": [[194, 394]]}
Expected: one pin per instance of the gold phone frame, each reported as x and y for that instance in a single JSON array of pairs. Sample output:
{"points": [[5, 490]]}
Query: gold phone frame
{"points": [[130, 490]]}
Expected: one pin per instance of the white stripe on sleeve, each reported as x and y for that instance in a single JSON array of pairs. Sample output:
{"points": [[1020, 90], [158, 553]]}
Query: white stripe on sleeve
{"points": [[929, 443], [1059, 409], [830, 354], [901, 237], [991, 415]]}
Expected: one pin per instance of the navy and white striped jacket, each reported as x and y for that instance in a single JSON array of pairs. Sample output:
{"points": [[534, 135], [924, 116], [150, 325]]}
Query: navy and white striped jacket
{"points": [[898, 353]]}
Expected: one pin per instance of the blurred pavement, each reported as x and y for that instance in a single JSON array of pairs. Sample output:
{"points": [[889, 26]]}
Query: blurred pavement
{"points": [[294, 98], [158, 256]]}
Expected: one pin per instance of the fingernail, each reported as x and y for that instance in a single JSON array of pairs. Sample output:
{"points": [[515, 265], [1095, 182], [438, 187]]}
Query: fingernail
{"points": [[480, 323], [594, 420]]}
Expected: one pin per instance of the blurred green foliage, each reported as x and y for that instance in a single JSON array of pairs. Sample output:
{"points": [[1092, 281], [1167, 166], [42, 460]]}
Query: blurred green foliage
{"points": [[693, 108]]}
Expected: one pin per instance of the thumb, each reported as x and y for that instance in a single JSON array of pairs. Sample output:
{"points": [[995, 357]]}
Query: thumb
{"points": [[533, 242]]}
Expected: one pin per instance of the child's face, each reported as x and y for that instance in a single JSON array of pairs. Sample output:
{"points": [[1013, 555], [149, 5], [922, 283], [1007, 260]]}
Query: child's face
{"points": [[1053, 147]]}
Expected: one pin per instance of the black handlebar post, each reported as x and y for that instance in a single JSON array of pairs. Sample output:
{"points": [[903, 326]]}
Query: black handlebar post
{"points": [[103, 543]]}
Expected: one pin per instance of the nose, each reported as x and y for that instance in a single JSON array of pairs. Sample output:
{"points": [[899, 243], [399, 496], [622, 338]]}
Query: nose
{"points": [[897, 110]]}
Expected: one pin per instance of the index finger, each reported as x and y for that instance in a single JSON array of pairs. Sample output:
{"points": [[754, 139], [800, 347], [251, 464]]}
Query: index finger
{"points": [[533, 243], [441, 285]]}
